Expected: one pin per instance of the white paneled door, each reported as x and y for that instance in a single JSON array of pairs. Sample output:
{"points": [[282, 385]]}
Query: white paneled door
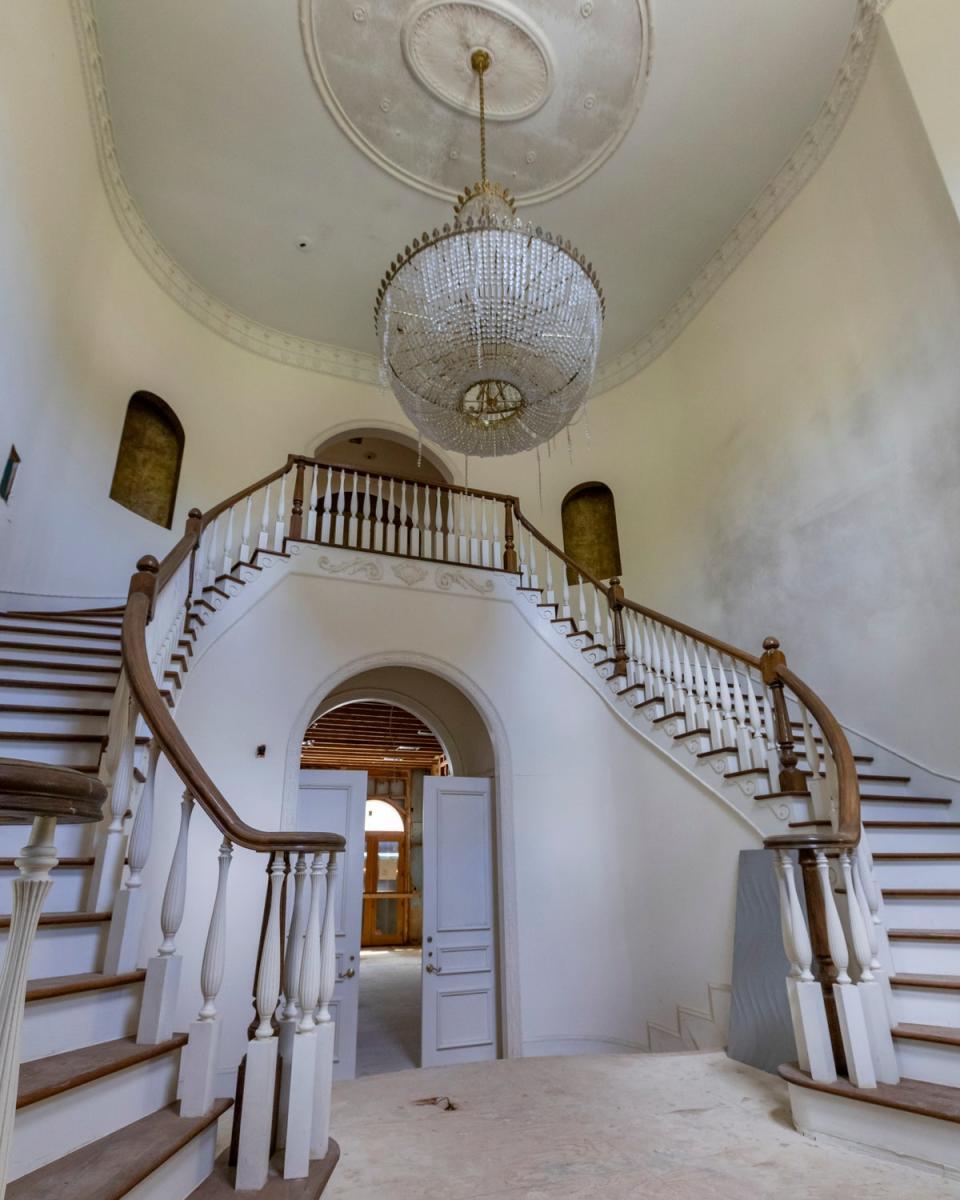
{"points": [[459, 999], [334, 802]]}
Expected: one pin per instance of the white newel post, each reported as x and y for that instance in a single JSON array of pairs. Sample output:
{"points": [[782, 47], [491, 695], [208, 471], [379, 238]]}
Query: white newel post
{"points": [[200, 1055], [163, 970], [126, 924], [325, 1026], [260, 1076], [805, 994], [872, 999], [107, 869], [36, 861], [300, 1094], [850, 1015]]}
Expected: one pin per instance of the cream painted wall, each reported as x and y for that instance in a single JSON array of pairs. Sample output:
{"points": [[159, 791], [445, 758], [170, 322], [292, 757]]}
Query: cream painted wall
{"points": [[625, 867], [789, 465]]}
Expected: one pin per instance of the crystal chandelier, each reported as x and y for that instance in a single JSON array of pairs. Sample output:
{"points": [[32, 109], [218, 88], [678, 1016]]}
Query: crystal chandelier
{"points": [[489, 328]]}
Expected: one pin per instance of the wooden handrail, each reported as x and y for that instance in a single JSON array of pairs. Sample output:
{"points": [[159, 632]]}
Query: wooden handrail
{"points": [[162, 726], [503, 497]]}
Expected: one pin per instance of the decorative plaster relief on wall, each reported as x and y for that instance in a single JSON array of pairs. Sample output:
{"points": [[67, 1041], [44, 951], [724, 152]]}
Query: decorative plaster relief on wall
{"points": [[356, 365]]}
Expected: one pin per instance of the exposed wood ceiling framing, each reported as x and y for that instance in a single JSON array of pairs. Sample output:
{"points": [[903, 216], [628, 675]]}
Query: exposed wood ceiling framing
{"points": [[370, 735]]}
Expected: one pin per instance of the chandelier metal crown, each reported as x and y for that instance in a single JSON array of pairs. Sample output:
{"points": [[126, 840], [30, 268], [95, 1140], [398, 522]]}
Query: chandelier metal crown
{"points": [[489, 328]]}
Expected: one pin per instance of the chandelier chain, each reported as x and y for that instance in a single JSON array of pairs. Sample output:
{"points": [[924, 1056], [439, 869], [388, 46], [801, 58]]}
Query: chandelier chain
{"points": [[480, 60]]}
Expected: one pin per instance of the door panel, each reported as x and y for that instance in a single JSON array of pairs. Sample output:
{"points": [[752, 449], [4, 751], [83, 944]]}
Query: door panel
{"points": [[333, 802], [459, 1007]]}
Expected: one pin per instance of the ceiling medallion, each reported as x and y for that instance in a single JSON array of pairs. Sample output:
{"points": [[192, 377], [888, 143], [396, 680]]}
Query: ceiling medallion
{"points": [[489, 329], [543, 66]]}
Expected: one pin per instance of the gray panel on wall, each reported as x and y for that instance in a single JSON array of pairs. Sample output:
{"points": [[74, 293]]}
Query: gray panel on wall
{"points": [[761, 1033]]}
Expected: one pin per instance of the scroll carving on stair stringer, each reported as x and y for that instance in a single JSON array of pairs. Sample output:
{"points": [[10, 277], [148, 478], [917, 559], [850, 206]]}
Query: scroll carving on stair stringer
{"points": [[447, 579], [409, 573], [351, 568]]}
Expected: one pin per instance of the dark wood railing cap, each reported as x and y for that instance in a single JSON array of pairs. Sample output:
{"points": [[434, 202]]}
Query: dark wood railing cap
{"points": [[29, 790]]}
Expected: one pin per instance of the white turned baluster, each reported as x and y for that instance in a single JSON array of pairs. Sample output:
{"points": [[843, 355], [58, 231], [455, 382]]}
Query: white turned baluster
{"points": [[496, 546], [630, 648], [280, 526], [597, 617], [210, 572], [581, 604], [438, 538], [268, 976], [796, 936], [700, 686], [198, 1074], [228, 548], [353, 529], [366, 535], [175, 893], [549, 595], [740, 715], [534, 577], [427, 541], [118, 776], [451, 534], [298, 923], [36, 861], [758, 749], [689, 695], [339, 509], [521, 542], [319, 1142], [474, 542], [728, 725], [463, 548], [872, 986], [819, 803], [565, 594], [666, 667], [676, 670], [484, 534], [415, 522], [379, 518], [391, 522], [403, 533], [659, 683], [126, 922], [850, 1015], [162, 985], [326, 514], [312, 509], [770, 742], [263, 539], [309, 982], [256, 1114], [245, 532]]}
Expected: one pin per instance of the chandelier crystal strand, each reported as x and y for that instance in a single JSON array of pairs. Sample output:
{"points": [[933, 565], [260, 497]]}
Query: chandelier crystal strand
{"points": [[489, 329]]}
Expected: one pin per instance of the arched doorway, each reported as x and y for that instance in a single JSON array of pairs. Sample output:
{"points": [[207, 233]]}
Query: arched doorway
{"points": [[418, 899]]}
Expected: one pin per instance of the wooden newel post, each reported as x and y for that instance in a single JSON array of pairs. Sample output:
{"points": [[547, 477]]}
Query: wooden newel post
{"points": [[510, 560], [791, 778], [144, 581], [296, 509], [615, 599], [193, 527]]}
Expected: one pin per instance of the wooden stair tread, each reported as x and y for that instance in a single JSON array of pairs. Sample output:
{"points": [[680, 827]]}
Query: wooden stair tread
{"points": [[90, 651], [924, 935], [61, 633], [671, 716], [66, 619], [63, 918], [948, 983], [7, 863], [219, 1185], [44, 1077], [874, 798], [111, 1167], [46, 685], [797, 794], [91, 668], [725, 750], [13, 735], [54, 710], [884, 824], [942, 1035], [921, 893], [909, 1095], [915, 856], [70, 985]]}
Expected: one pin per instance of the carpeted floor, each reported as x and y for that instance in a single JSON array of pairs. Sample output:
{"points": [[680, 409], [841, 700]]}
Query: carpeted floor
{"points": [[620, 1127], [388, 1022]]}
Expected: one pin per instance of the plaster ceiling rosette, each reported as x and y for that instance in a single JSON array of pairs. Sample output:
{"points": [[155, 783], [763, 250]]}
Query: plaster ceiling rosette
{"points": [[397, 80]]}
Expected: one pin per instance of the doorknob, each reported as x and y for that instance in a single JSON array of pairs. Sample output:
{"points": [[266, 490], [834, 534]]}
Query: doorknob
{"points": [[348, 974], [432, 970]]}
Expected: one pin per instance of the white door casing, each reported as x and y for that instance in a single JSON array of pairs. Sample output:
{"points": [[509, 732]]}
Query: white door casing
{"points": [[459, 990], [334, 802]]}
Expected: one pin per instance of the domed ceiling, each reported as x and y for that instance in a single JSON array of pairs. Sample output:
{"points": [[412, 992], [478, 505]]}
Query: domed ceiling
{"points": [[267, 161]]}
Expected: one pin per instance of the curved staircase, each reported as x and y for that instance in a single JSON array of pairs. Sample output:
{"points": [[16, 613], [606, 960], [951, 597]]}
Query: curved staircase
{"points": [[98, 691]]}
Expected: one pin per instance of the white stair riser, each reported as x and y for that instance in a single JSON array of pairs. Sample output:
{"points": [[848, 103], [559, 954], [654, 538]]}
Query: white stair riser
{"points": [[61, 641], [72, 841], [65, 949], [51, 694], [52, 676], [929, 1061], [927, 1006], [83, 1019], [900, 809], [63, 722], [181, 1174], [914, 873], [63, 626], [923, 841], [66, 895], [69, 754], [52, 1128], [925, 958], [882, 788], [922, 914]]}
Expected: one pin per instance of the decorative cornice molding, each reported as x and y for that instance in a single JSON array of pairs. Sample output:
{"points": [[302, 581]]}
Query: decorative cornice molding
{"points": [[799, 168], [221, 318], [363, 368]]}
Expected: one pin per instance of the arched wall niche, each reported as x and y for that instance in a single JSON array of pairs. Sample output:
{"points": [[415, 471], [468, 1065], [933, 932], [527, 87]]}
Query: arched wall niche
{"points": [[588, 516], [147, 469], [383, 449]]}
